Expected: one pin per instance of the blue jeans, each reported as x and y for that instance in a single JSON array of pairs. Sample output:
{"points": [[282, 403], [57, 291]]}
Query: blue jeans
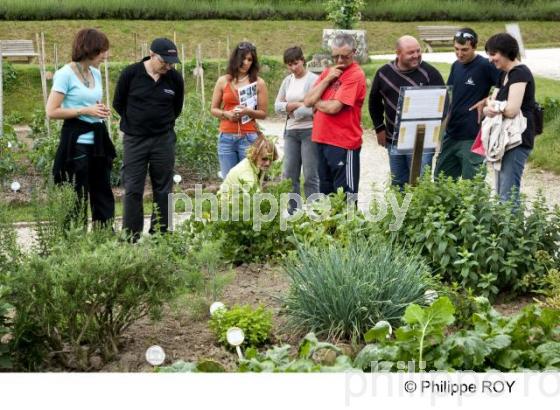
{"points": [[232, 149], [509, 177], [400, 165]]}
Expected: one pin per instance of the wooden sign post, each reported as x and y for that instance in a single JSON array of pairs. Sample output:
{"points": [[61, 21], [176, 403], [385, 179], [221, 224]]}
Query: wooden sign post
{"points": [[417, 153]]}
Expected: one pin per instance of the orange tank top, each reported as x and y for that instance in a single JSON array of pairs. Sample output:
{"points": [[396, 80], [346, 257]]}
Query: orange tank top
{"points": [[230, 99]]}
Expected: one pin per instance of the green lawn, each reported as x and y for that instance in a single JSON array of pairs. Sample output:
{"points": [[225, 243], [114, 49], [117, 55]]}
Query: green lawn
{"points": [[271, 37]]}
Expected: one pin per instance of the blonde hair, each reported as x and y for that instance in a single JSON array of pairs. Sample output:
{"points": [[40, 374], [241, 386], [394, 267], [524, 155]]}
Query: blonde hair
{"points": [[262, 146]]}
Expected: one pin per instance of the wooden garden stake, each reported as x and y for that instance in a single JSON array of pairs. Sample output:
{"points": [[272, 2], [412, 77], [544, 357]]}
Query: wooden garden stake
{"points": [[227, 47], [135, 47], [219, 49], [183, 61], [201, 73], [174, 37], [107, 95], [41, 49], [55, 56], [1, 94]]}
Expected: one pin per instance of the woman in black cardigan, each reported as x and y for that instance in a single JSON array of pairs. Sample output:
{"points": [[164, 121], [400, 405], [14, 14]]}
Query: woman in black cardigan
{"points": [[85, 153]]}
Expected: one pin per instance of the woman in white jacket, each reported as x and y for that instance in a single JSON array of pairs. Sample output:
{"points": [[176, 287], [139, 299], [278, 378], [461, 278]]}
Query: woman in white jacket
{"points": [[299, 150], [517, 90]]}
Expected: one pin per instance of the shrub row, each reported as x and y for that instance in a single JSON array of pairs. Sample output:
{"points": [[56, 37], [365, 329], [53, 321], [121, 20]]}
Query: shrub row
{"points": [[399, 10]]}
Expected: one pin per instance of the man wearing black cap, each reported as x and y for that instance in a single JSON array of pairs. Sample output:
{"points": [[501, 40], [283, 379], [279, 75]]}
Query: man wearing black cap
{"points": [[149, 98]]}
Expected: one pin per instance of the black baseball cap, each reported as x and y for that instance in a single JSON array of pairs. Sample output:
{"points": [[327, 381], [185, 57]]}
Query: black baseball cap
{"points": [[166, 49]]}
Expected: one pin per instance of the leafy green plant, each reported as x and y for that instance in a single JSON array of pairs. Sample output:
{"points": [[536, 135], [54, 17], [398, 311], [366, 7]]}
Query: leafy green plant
{"points": [[77, 301], [10, 253], [197, 139], [10, 163], [255, 323], [5, 330], [344, 13], [469, 237], [337, 222], [278, 359], [242, 242], [44, 144], [55, 215], [206, 275], [342, 290], [9, 76], [551, 108], [202, 366], [528, 340]]}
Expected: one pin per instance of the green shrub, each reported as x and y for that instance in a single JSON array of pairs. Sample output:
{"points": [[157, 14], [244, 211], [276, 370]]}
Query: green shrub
{"points": [[336, 222], [54, 215], [243, 242], [78, 301], [9, 76], [394, 10], [10, 161], [10, 253], [255, 323], [469, 237], [206, 273], [197, 139], [44, 144], [551, 108], [5, 330], [344, 13], [340, 291]]}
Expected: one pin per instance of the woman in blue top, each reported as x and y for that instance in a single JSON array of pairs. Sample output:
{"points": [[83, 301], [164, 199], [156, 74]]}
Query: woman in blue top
{"points": [[85, 153]]}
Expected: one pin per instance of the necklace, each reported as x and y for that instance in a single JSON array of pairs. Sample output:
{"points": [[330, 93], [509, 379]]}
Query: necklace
{"points": [[81, 71], [238, 80]]}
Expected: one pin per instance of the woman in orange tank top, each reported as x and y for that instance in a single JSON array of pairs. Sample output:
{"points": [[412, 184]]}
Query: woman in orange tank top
{"points": [[236, 134]]}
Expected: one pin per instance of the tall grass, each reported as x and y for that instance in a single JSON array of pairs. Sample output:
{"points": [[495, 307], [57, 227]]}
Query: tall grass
{"points": [[342, 291], [393, 10]]}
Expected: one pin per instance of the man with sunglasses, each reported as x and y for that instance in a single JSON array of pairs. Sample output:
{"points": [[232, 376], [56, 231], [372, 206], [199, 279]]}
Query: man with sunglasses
{"points": [[406, 70], [337, 98], [472, 77], [149, 98]]}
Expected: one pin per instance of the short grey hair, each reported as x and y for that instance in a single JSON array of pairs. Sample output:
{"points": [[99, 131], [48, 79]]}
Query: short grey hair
{"points": [[344, 39]]}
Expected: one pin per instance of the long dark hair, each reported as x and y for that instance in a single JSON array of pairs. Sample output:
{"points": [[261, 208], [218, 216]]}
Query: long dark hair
{"points": [[236, 60]]}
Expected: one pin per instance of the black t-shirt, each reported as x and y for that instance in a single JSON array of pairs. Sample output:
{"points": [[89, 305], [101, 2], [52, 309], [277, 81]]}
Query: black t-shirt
{"points": [[521, 74], [471, 83]]}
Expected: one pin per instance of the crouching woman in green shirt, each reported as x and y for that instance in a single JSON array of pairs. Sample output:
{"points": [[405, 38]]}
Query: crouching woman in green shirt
{"points": [[248, 175]]}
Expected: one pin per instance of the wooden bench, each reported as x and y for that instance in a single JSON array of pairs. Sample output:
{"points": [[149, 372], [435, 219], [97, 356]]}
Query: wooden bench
{"points": [[436, 34], [18, 50]]}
